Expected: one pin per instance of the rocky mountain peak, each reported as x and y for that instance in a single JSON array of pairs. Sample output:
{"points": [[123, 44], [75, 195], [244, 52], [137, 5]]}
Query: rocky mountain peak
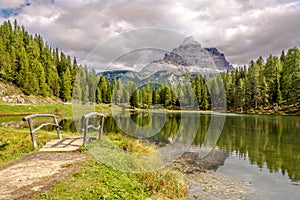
{"points": [[219, 59], [190, 53], [190, 41], [188, 58]]}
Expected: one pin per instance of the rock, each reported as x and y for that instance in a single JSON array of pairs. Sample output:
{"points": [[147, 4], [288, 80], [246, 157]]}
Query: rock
{"points": [[220, 59], [190, 53], [188, 58], [14, 99]]}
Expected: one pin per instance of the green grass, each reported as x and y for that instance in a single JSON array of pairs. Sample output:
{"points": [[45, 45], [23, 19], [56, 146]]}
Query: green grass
{"points": [[10, 110], [58, 109], [97, 181], [93, 180], [15, 143]]}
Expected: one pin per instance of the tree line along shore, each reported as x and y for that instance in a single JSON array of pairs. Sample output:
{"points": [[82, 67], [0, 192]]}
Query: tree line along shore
{"points": [[265, 86]]}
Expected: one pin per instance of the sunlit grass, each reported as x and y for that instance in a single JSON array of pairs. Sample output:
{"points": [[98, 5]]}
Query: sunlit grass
{"points": [[58, 109], [15, 143], [98, 181]]}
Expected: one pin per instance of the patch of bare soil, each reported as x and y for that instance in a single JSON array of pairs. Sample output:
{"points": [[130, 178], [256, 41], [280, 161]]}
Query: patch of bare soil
{"points": [[11, 94], [37, 172]]}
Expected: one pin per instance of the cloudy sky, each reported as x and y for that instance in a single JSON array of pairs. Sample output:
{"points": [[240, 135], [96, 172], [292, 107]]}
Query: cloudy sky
{"points": [[242, 29]]}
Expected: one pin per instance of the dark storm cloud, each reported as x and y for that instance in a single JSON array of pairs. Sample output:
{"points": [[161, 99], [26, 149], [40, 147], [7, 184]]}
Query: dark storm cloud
{"points": [[242, 29]]}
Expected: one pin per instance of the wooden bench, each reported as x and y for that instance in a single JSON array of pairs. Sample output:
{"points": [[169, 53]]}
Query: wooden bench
{"points": [[85, 129], [32, 130], [87, 126]]}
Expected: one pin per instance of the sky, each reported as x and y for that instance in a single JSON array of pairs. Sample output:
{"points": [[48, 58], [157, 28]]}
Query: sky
{"points": [[241, 29]]}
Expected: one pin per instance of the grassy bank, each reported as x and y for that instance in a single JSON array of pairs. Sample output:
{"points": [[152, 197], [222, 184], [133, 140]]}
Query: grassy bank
{"points": [[12, 110], [15, 143], [98, 181], [94, 180], [283, 109], [58, 109]]}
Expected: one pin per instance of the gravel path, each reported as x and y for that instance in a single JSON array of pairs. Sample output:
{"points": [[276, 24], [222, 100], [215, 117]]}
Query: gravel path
{"points": [[36, 172]]}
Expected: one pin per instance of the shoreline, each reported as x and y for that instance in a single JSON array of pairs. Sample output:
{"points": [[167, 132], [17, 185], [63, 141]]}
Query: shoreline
{"points": [[205, 182], [10, 110]]}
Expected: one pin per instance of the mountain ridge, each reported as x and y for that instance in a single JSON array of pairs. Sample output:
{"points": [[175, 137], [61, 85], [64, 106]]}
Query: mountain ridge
{"points": [[188, 58]]}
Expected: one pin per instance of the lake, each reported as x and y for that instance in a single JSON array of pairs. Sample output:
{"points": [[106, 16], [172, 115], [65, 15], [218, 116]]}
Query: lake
{"points": [[261, 149]]}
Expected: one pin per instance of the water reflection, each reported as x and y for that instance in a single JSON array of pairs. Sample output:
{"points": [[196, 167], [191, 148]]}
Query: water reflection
{"points": [[272, 141]]}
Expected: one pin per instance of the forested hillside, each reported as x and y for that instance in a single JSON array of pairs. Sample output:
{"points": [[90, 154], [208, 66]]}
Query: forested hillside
{"points": [[264, 84], [33, 66]]}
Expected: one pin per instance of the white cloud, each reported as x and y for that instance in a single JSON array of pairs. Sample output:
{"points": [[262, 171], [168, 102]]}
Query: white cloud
{"points": [[11, 3], [243, 30]]}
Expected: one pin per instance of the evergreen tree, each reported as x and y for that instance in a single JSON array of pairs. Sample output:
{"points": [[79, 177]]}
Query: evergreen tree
{"points": [[167, 96], [240, 94], [117, 91], [205, 97], [65, 92], [214, 91], [290, 81], [134, 99], [77, 93], [253, 95], [148, 96]]}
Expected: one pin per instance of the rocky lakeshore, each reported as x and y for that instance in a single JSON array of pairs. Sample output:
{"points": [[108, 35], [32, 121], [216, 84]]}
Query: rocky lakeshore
{"points": [[204, 182]]}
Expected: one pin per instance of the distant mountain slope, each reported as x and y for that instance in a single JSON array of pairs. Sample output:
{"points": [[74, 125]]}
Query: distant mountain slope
{"points": [[189, 58], [220, 60]]}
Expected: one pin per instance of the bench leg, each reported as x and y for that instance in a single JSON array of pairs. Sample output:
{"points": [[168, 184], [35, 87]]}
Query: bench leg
{"points": [[57, 128]]}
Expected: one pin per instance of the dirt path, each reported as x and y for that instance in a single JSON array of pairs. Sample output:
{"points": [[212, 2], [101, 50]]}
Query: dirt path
{"points": [[37, 172]]}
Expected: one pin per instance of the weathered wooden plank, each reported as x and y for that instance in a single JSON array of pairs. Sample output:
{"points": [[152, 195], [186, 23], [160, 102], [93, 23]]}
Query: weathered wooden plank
{"points": [[68, 144]]}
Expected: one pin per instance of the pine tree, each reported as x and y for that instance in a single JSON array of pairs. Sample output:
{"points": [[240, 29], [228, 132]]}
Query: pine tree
{"points": [[265, 92], [240, 94], [98, 96], [117, 91], [272, 75], [85, 95], [65, 92], [105, 89], [196, 85], [77, 92], [290, 81], [168, 96], [214, 91], [148, 100], [205, 97], [134, 99], [22, 77], [253, 95]]}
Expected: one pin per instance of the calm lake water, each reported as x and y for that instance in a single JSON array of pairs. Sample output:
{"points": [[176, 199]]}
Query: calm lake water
{"points": [[263, 150]]}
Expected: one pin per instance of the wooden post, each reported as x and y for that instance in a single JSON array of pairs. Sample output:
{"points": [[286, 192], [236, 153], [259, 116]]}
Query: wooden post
{"points": [[29, 118], [32, 133], [85, 131], [101, 128], [57, 128], [87, 126]]}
